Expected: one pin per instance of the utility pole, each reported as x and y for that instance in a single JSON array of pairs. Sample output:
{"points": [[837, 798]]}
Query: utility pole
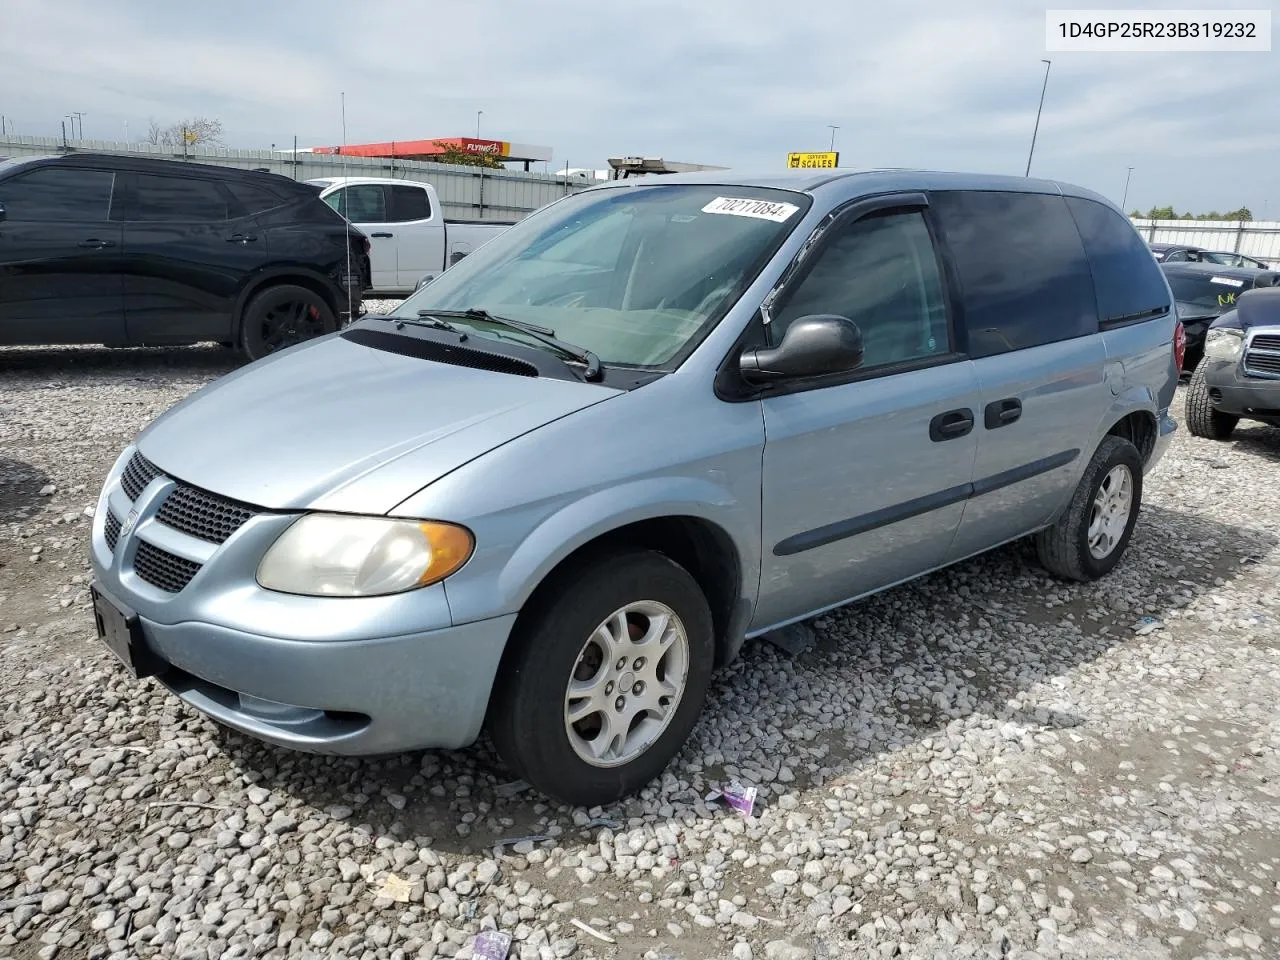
{"points": [[834, 128], [1125, 198], [1047, 64], [126, 131], [479, 114]]}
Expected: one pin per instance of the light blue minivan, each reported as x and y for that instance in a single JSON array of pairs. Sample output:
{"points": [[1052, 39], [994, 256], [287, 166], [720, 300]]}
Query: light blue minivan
{"points": [[564, 481]]}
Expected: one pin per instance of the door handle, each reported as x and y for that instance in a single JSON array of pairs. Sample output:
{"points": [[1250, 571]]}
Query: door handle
{"points": [[95, 244], [382, 233], [950, 425], [1001, 413], [241, 238]]}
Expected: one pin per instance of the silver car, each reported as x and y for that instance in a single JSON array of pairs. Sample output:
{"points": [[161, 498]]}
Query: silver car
{"points": [[561, 483]]}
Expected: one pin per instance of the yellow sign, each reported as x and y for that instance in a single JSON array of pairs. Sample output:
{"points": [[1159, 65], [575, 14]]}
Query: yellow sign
{"points": [[810, 160]]}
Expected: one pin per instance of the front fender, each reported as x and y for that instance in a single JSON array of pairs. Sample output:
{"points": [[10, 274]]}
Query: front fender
{"points": [[500, 581]]}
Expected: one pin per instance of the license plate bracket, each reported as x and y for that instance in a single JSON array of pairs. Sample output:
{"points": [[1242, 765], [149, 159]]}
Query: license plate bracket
{"points": [[120, 630]]}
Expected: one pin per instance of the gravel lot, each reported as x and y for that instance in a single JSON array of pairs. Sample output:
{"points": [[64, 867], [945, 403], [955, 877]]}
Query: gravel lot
{"points": [[986, 763]]}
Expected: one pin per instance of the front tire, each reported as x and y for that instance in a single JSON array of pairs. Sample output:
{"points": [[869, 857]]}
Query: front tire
{"points": [[282, 316], [1092, 534], [607, 678], [1202, 419]]}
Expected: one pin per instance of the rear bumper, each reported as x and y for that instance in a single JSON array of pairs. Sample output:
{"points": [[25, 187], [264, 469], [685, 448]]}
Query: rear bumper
{"points": [[1165, 431]]}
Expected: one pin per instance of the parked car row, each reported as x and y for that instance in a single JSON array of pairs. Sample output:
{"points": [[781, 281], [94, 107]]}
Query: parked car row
{"points": [[1203, 292], [1186, 253], [1240, 376], [132, 251], [562, 482]]}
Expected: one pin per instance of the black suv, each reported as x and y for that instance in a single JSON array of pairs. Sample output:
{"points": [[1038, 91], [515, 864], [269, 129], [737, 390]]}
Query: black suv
{"points": [[131, 251]]}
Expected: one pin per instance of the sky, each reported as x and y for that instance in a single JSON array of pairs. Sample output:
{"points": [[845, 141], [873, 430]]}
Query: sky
{"points": [[937, 84]]}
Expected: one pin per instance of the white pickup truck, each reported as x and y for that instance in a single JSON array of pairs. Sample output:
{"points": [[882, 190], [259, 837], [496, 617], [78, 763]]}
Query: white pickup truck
{"points": [[410, 239]]}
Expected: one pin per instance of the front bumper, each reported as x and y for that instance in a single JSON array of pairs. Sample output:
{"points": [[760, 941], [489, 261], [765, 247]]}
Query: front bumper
{"points": [[325, 675], [380, 695], [1233, 393]]}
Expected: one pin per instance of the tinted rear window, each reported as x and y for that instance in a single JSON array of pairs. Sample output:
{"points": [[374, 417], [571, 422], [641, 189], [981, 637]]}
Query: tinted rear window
{"points": [[176, 200], [1023, 275], [253, 199], [1127, 281], [409, 203]]}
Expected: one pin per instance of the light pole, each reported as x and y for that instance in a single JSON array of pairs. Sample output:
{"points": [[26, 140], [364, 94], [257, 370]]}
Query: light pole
{"points": [[834, 128], [1043, 87], [1126, 188], [479, 114], [80, 120]]}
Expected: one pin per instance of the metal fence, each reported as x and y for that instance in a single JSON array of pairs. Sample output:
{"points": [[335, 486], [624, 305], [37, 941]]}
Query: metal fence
{"points": [[1255, 238], [465, 192]]}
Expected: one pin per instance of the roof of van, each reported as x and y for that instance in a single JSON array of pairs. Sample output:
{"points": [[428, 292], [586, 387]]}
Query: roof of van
{"points": [[807, 181]]}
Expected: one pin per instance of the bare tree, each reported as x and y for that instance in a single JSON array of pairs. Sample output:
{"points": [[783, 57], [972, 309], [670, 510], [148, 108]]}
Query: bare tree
{"points": [[190, 132]]}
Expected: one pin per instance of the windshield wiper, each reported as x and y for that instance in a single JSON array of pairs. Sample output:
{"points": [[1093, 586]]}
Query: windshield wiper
{"points": [[545, 335], [426, 318]]}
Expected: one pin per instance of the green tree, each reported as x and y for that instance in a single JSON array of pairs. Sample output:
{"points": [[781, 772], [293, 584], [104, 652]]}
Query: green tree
{"points": [[1136, 214], [1161, 213], [463, 158], [1243, 213]]}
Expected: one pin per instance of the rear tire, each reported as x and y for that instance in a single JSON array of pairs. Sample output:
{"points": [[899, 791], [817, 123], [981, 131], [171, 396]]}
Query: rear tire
{"points": [[282, 316], [1202, 419], [1092, 534], [577, 710]]}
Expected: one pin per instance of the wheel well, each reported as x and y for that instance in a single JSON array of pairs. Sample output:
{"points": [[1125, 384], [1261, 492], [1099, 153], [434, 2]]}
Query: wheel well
{"points": [[702, 548], [299, 280], [1138, 428]]}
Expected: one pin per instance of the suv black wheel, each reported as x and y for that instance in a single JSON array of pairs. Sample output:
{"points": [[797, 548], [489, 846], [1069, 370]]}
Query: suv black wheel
{"points": [[281, 317], [1092, 534], [606, 679], [1202, 419]]}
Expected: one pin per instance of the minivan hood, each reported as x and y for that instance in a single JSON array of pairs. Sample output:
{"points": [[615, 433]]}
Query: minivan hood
{"points": [[334, 425]]}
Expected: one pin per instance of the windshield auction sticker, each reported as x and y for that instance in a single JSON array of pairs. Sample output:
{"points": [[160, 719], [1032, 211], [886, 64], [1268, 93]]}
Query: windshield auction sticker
{"points": [[1171, 31], [758, 209]]}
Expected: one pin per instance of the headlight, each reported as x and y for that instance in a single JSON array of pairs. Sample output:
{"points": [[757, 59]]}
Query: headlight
{"points": [[332, 555], [1223, 343]]}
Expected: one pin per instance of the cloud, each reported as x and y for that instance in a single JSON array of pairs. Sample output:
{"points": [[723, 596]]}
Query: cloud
{"points": [[913, 83]]}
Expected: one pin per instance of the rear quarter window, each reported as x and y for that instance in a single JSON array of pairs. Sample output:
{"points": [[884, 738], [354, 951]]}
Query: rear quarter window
{"points": [[1024, 278], [1126, 280]]}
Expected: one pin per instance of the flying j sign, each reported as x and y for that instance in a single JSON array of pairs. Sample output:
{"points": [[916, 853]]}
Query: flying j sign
{"points": [[807, 160]]}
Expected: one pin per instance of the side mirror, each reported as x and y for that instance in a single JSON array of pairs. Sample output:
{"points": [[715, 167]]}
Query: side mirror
{"points": [[2, 212], [814, 346]]}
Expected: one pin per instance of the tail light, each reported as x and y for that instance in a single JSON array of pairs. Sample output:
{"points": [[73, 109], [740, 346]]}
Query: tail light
{"points": [[1179, 345]]}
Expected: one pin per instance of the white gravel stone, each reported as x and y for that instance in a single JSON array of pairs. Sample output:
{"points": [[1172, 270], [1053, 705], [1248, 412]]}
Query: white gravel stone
{"points": [[986, 762]]}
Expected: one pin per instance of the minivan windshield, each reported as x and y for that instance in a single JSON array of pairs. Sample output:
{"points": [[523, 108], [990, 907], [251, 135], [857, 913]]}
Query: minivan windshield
{"points": [[637, 275]]}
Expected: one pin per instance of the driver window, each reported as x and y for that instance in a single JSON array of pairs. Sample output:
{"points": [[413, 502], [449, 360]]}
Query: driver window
{"points": [[881, 273]]}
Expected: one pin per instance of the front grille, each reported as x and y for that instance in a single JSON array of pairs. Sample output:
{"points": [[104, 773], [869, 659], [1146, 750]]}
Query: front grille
{"points": [[162, 569], [203, 515], [1262, 363], [111, 530], [139, 472], [1262, 358]]}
